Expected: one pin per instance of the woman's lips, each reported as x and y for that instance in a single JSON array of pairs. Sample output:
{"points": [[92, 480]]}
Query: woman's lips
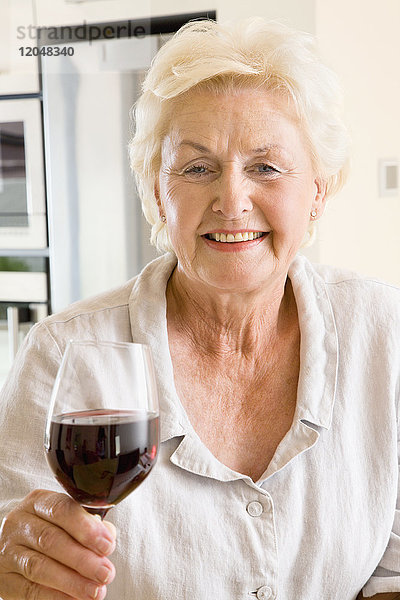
{"points": [[233, 236], [229, 246]]}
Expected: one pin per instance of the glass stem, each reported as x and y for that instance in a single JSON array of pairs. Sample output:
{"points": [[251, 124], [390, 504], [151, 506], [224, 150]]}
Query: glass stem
{"points": [[100, 512]]}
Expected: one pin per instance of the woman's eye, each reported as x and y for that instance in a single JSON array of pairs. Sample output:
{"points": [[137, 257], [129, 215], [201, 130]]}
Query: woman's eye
{"points": [[264, 168], [196, 170]]}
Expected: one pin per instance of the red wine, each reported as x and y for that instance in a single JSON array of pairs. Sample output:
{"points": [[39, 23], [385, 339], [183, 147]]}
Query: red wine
{"points": [[101, 456]]}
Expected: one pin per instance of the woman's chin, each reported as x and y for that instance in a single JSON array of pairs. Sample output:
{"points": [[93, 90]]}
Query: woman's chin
{"points": [[235, 280]]}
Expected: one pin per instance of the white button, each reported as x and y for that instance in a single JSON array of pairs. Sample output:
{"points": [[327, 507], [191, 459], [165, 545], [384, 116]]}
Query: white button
{"points": [[264, 593], [254, 509]]}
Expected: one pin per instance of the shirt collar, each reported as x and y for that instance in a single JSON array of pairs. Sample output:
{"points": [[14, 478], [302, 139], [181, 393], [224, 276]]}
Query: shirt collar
{"points": [[319, 350], [148, 317], [318, 346]]}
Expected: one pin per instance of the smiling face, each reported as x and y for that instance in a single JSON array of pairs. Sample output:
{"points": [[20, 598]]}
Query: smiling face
{"points": [[236, 165]]}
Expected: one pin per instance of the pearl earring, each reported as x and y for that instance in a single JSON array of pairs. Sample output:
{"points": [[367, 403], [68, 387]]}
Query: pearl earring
{"points": [[163, 218], [313, 213]]}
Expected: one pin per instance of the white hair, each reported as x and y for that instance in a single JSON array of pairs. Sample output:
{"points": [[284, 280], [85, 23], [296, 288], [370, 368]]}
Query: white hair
{"points": [[226, 56]]}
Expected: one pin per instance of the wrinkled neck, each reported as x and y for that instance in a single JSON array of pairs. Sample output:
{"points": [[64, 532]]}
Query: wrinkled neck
{"points": [[220, 323]]}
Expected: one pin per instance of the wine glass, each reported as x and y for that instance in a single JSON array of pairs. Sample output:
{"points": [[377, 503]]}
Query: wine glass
{"points": [[102, 430]]}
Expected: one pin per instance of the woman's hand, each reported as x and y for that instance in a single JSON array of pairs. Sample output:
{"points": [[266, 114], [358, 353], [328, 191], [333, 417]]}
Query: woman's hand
{"points": [[52, 549]]}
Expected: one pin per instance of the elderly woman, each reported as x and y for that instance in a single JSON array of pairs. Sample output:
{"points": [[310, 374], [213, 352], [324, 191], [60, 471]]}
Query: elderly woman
{"points": [[277, 474]]}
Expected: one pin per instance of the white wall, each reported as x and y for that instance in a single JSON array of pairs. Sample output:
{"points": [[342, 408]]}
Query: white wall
{"points": [[299, 13], [18, 74], [361, 41]]}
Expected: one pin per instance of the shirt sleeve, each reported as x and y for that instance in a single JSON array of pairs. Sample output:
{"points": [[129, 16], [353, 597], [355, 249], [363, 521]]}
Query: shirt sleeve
{"points": [[386, 577], [24, 400]]}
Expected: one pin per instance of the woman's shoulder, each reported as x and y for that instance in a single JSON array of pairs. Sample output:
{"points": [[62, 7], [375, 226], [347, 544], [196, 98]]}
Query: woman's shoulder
{"points": [[337, 276], [354, 282], [354, 294]]}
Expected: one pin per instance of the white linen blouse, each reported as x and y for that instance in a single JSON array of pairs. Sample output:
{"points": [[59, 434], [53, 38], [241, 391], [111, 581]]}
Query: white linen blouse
{"points": [[321, 523]]}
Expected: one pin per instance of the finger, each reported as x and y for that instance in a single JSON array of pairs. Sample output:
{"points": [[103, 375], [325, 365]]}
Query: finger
{"points": [[43, 570], [111, 527], [16, 587], [61, 510], [52, 541]]}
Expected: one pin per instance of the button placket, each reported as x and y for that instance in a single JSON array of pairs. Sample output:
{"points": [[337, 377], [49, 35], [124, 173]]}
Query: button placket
{"points": [[262, 523]]}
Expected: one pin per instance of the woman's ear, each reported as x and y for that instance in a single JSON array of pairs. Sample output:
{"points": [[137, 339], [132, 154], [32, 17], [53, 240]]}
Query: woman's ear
{"points": [[157, 197], [319, 201]]}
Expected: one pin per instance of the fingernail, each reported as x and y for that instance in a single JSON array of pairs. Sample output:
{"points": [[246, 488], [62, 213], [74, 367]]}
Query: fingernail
{"points": [[103, 574], [103, 545], [92, 590], [101, 592]]}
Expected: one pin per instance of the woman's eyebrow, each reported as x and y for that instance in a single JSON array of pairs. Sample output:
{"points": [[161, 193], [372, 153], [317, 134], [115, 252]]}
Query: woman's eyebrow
{"points": [[267, 148], [275, 149], [195, 145], [260, 150]]}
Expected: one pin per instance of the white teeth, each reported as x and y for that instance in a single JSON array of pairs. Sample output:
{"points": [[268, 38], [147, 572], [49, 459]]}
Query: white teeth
{"points": [[238, 237]]}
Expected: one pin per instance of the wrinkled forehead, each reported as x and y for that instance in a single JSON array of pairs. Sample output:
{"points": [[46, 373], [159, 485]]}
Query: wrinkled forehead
{"points": [[257, 116], [278, 98]]}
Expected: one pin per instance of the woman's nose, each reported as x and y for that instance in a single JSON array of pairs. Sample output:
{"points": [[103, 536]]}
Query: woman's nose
{"points": [[231, 194]]}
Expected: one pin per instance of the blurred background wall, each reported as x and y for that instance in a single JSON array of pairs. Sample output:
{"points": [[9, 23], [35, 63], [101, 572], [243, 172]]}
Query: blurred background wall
{"points": [[361, 41]]}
